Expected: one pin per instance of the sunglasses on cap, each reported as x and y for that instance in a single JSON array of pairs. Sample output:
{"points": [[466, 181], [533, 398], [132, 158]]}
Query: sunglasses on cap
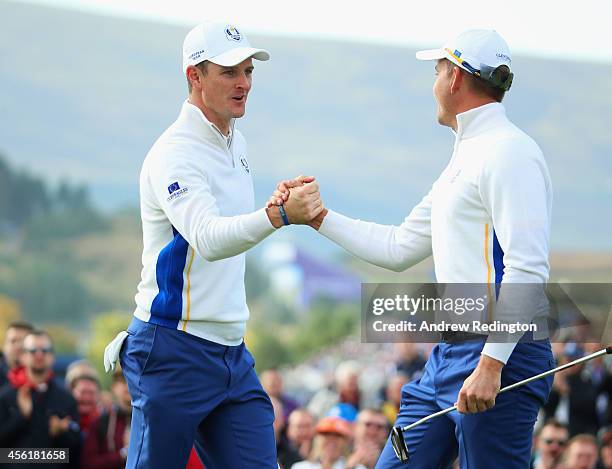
{"points": [[494, 77], [44, 350]]}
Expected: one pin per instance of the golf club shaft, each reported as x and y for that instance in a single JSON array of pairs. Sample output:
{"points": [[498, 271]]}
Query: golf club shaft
{"points": [[607, 350]]}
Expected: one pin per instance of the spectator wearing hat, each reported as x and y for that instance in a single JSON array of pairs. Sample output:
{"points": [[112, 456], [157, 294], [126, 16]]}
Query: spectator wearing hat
{"points": [[344, 411], [301, 431], [331, 446]]}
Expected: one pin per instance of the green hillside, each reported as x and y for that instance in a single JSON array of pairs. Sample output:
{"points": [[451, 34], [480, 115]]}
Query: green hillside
{"points": [[85, 96]]}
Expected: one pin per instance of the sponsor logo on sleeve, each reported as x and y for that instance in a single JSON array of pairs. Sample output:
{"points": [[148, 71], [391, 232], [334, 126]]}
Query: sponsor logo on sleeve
{"points": [[176, 191]]}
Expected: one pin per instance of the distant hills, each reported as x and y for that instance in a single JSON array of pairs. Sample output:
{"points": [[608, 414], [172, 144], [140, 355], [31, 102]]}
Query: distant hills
{"points": [[83, 97]]}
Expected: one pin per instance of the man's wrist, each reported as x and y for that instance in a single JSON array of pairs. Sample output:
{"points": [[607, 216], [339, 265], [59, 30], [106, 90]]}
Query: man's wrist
{"points": [[488, 363], [274, 216], [318, 220]]}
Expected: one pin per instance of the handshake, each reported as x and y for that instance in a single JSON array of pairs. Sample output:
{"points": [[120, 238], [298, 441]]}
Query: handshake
{"points": [[297, 202]]}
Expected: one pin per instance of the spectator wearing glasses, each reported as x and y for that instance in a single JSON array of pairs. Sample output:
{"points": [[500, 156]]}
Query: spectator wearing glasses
{"points": [[12, 348], [549, 444], [36, 412], [370, 434]]}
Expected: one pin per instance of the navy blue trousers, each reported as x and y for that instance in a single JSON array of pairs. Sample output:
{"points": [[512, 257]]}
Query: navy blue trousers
{"points": [[499, 438], [187, 390]]}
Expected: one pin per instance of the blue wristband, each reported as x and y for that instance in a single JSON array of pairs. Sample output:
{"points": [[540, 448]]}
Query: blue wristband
{"points": [[283, 214]]}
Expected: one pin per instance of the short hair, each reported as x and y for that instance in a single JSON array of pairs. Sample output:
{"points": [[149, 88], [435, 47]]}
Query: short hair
{"points": [[84, 377], [203, 67], [346, 369], [78, 368], [583, 438], [551, 422], [40, 333], [22, 325], [300, 411], [371, 410], [480, 85]]}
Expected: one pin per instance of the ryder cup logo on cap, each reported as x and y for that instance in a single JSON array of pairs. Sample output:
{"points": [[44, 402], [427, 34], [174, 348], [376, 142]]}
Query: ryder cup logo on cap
{"points": [[219, 43], [472, 50], [232, 33]]}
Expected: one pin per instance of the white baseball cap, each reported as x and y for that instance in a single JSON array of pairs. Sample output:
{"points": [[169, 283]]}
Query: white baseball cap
{"points": [[475, 51], [219, 43]]}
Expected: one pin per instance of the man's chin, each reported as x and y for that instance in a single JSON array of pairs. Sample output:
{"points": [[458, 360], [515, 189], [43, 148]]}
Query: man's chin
{"points": [[238, 113]]}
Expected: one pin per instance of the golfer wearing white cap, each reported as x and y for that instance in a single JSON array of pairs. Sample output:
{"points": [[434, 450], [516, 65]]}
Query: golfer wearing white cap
{"points": [[486, 220], [189, 373]]}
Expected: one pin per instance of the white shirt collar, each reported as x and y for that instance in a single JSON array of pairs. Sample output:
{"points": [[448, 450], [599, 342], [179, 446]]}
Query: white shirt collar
{"points": [[195, 118], [479, 119]]}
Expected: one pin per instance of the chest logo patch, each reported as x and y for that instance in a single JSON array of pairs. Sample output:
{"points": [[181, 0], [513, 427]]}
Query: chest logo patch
{"points": [[245, 164]]}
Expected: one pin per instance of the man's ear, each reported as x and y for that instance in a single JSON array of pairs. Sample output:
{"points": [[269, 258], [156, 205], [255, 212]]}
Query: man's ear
{"points": [[194, 77], [456, 80]]}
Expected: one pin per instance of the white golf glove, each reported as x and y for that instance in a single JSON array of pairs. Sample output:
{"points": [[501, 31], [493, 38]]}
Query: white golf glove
{"points": [[111, 352]]}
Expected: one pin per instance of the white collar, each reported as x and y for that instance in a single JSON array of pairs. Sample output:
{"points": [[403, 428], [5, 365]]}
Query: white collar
{"points": [[194, 118], [479, 119]]}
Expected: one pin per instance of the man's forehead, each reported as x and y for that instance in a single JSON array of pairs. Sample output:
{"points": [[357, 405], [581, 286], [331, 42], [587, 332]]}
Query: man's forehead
{"points": [[16, 332], [548, 429], [368, 416], [37, 339]]}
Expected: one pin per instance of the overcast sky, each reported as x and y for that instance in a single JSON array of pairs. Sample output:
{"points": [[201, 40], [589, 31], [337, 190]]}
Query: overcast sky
{"points": [[577, 30]]}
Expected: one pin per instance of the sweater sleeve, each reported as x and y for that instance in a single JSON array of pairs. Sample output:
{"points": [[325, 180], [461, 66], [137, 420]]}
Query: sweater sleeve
{"points": [[12, 423], [516, 191], [181, 188], [392, 247]]}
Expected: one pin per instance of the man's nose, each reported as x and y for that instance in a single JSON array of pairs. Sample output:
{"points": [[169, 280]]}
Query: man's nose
{"points": [[244, 82]]}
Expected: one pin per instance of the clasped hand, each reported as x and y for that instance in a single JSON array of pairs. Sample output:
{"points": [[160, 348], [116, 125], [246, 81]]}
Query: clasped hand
{"points": [[300, 198]]}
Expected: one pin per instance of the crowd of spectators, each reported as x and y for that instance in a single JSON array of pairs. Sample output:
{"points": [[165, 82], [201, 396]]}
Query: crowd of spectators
{"points": [[333, 412]]}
